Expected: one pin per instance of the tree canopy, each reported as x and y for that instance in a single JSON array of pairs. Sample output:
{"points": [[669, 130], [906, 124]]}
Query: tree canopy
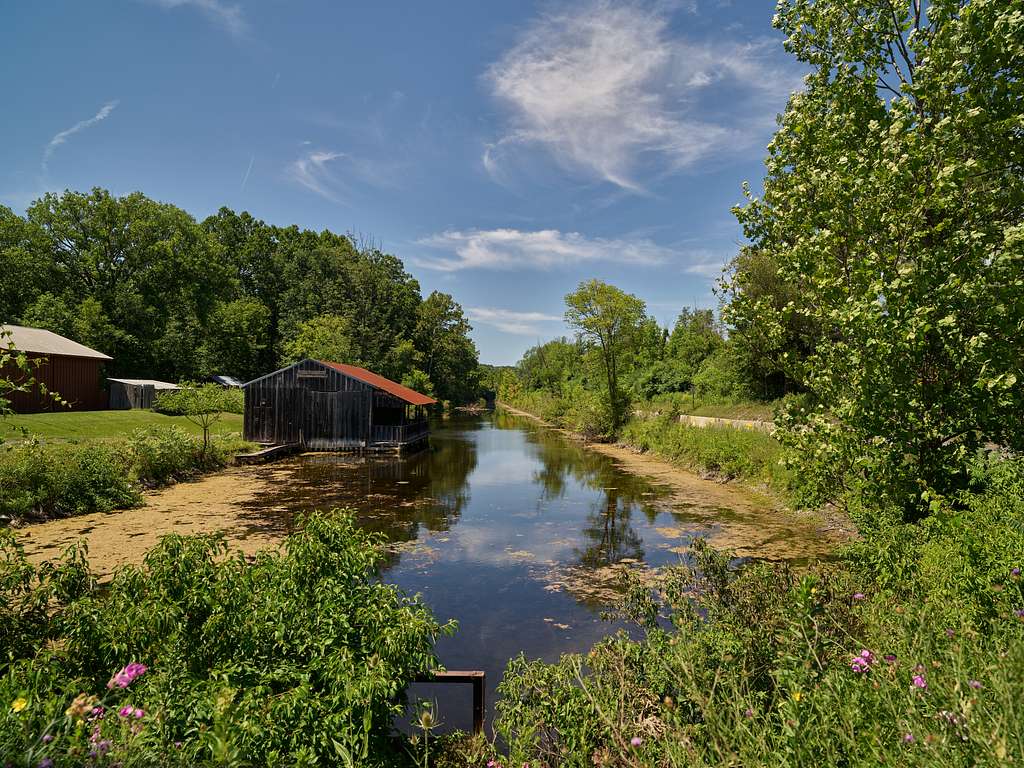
{"points": [[172, 298], [893, 208]]}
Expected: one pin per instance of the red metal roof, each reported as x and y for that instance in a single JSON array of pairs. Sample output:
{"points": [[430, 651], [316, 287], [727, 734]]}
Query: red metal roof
{"points": [[410, 396]]}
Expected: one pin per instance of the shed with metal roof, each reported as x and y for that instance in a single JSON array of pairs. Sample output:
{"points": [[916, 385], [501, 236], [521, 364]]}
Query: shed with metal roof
{"points": [[325, 406], [126, 394], [60, 367]]}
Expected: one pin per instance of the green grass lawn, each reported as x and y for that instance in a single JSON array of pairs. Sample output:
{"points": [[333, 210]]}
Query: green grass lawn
{"points": [[101, 425]]}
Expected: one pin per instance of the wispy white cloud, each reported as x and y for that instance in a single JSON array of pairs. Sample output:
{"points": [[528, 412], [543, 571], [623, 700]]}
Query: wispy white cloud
{"points": [[706, 264], [611, 94], [543, 249], [312, 171], [63, 136], [230, 17], [245, 178], [509, 321]]}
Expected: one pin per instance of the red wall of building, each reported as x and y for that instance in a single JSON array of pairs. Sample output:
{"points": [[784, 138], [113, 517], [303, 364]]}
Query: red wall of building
{"points": [[78, 380]]}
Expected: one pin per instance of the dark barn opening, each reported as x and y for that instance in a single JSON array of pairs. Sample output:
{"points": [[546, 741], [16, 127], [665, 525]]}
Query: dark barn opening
{"points": [[324, 406]]}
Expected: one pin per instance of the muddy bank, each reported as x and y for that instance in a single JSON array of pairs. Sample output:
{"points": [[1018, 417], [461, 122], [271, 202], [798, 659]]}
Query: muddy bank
{"points": [[746, 520], [218, 503]]}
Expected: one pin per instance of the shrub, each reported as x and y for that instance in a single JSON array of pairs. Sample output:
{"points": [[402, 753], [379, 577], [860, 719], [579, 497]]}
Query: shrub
{"points": [[62, 479], [298, 658], [160, 456], [48, 480]]}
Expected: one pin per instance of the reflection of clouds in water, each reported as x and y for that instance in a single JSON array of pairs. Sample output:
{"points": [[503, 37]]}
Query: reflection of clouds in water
{"points": [[499, 545], [509, 467]]}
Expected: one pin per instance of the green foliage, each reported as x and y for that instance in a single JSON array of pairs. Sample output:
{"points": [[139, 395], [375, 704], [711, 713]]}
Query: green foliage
{"points": [[238, 339], [173, 299], [163, 455], [721, 377], [448, 356], [48, 480], [893, 200], [722, 451], [298, 658], [608, 320], [39, 480], [201, 404], [324, 337], [840, 664]]}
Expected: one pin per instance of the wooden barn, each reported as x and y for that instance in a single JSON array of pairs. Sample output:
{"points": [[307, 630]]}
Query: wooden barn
{"points": [[325, 406], [72, 370]]}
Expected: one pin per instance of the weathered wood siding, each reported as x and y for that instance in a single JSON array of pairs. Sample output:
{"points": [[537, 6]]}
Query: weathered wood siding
{"points": [[127, 396], [311, 404]]}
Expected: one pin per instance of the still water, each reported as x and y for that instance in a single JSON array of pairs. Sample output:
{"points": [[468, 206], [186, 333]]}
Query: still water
{"points": [[518, 533]]}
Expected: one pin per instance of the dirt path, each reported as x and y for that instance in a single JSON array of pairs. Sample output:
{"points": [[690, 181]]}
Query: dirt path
{"points": [[214, 503]]}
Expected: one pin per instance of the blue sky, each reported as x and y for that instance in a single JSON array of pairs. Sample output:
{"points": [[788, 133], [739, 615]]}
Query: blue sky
{"points": [[505, 151]]}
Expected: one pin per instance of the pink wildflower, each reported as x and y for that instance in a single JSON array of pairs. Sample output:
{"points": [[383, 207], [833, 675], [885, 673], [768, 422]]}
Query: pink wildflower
{"points": [[636, 741], [125, 711], [124, 678], [908, 738], [918, 681], [890, 658], [858, 595], [974, 684]]}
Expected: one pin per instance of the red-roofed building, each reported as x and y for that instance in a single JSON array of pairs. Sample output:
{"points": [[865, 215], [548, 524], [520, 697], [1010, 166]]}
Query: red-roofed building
{"points": [[325, 406]]}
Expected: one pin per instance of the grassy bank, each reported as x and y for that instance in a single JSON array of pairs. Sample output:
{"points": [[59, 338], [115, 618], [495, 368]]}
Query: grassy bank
{"points": [[724, 452], [45, 480], [105, 425]]}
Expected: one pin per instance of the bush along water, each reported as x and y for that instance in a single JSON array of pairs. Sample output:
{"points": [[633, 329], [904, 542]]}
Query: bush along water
{"points": [[300, 657], [909, 651], [47, 480]]}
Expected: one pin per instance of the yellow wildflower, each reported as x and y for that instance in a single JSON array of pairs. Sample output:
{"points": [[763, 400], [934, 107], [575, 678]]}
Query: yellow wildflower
{"points": [[19, 704], [797, 695]]}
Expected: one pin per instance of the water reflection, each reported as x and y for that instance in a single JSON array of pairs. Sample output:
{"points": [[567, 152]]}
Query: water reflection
{"points": [[510, 528]]}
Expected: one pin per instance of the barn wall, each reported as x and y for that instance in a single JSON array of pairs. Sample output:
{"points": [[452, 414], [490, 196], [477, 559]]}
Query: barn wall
{"points": [[76, 379], [309, 403]]}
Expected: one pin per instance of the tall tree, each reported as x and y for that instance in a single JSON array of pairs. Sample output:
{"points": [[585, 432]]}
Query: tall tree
{"points": [[154, 271], [606, 318], [449, 357], [895, 201]]}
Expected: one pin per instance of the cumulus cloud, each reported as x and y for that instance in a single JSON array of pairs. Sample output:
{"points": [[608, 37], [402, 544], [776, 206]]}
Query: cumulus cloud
{"points": [[312, 171], [509, 321], [543, 249], [229, 17], [63, 136], [610, 93]]}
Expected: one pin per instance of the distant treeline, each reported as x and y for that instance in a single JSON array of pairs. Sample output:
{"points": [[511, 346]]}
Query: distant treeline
{"points": [[174, 298]]}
